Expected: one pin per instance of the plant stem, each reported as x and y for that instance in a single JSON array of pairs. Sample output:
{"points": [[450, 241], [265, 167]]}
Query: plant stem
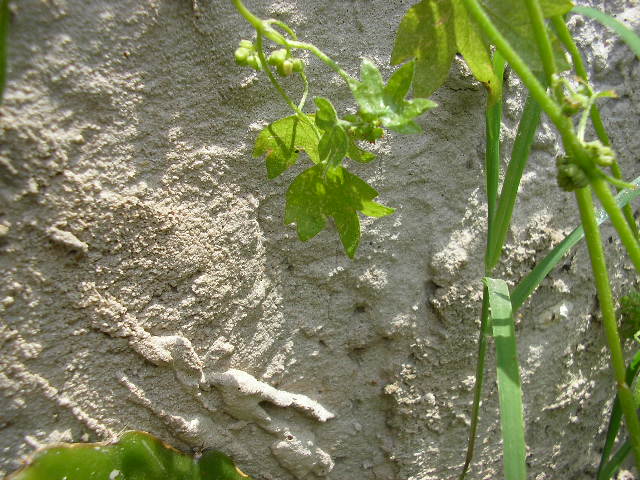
{"points": [[274, 81], [566, 38], [564, 125], [263, 28], [536, 88], [625, 233], [493, 121], [485, 333], [601, 280], [542, 39]]}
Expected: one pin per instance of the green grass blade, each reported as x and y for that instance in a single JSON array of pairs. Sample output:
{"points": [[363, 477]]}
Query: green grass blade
{"points": [[528, 285], [628, 35], [607, 468], [508, 370], [4, 29], [483, 340], [493, 122], [519, 156]]}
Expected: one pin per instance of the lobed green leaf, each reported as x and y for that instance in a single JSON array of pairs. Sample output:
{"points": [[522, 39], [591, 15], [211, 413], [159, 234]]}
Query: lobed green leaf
{"points": [[427, 34], [283, 140], [318, 193], [387, 103]]}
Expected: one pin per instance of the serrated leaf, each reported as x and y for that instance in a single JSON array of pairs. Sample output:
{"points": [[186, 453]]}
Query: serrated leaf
{"points": [[315, 195], [426, 33], [512, 20], [283, 140], [354, 152], [388, 103], [136, 455]]}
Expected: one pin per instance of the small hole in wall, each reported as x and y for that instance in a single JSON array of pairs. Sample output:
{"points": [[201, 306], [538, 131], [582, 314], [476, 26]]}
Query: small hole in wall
{"points": [[289, 437], [360, 308]]}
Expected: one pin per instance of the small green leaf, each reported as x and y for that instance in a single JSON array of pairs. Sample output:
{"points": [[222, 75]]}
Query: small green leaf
{"points": [[316, 195], [326, 116], [333, 146], [427, 34], [282, 140], [354, 152], [387, 103], [475, 50], [137, 455]]}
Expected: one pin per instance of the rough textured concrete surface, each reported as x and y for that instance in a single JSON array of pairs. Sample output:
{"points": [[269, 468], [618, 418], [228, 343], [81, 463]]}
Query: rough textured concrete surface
{"points": [[148, 281]]}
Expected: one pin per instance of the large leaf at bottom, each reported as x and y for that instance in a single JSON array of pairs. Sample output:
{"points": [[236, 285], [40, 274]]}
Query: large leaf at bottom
{"points": [[136, 456], [315, 195]]}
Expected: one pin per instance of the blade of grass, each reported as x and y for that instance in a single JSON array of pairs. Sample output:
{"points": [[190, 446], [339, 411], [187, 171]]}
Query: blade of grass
{"points": [[519, 156], [628, 35], [527, 286], [485, 333], [4, 29], [493, 122], [606, 469], [493, 119], [614, 465], [508, 375]]}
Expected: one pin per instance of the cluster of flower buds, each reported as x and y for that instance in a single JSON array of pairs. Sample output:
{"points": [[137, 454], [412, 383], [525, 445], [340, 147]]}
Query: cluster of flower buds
{"points": [[570, 176], [369, 131], [601, 154], [285, 64], [247, 56]]}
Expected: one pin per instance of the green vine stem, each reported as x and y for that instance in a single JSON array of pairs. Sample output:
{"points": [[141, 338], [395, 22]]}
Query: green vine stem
{"points": [[625, 233], [542, 39], [274, 81], [563, 33], [263, 27], [601, 280]]}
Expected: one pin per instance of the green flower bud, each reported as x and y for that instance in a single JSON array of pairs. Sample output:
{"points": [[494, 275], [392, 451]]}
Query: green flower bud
{"points": [[601, 154], [248, 44], [277, 58], [570, 176], [285, 68], [298, 65], [242, 54], [254, 62]]}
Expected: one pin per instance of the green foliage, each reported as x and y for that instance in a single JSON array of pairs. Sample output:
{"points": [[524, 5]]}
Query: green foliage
{"points": [[136, 456], [316, 194], [429, 36], [283, 140], [433, 31], [386, 104], [508, 375], [629, 313]]}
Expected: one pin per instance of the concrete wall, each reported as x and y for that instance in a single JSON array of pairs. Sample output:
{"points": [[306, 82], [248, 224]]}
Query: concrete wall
{"points": [[148, 281]]}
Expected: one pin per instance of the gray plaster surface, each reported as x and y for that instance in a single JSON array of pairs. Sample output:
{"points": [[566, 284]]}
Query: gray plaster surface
{"points": [[148, 281]]}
